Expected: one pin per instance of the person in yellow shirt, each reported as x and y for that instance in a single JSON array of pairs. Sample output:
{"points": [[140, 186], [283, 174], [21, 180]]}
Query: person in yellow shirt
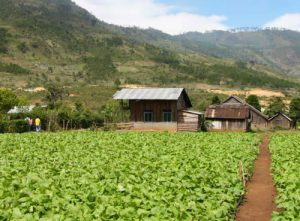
{"points": [[38, 124]]}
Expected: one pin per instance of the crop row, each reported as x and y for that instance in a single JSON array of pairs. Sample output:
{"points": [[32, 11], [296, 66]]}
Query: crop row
{"points": [[286, 174], [123, 176]]}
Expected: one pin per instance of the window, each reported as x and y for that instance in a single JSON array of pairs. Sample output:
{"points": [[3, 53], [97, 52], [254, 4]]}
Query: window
{"points": [[148, 116], [167, 116]]}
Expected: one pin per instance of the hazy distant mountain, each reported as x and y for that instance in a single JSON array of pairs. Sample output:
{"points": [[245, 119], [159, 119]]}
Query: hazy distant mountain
{"points": [[277, 48]]}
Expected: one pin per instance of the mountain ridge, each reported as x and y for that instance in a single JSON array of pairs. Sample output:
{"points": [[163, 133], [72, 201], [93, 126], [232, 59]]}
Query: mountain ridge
{"points": [[57, 41]]}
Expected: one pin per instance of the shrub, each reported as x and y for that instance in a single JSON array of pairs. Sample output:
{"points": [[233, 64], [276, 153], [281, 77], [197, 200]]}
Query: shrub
{"points": [[23, 47], [13, 126]]}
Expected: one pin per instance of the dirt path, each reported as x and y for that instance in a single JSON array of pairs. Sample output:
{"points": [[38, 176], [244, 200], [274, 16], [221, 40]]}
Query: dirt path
{"points": [[260, 192]]}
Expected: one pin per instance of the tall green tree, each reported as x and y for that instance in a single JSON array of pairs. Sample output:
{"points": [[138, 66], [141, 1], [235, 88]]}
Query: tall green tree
{"points": [[276, 105], [295, 109], [253, 101], [55, 93], [8, 100], [215, 100]]}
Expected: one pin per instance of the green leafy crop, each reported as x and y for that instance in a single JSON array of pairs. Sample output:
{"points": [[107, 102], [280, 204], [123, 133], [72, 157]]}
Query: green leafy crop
{"points": [[286, 174], [123, 176]]}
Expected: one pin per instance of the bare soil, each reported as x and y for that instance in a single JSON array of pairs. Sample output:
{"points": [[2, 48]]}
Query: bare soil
{"points": [[255, 91], [258, 203]]}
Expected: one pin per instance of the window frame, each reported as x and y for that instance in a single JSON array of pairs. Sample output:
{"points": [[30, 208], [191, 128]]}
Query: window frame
{"points": [[149, 113], [170, 116]]}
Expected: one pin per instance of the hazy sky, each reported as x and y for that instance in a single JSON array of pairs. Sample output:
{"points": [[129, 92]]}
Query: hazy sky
{"points": [[179, 16]]}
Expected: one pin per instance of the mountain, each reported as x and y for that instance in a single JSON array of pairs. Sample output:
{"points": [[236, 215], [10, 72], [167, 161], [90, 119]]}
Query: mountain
{"points": [[44, 41], [279, 49]]}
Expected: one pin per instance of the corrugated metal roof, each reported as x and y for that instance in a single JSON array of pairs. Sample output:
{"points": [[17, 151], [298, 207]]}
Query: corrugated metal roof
{"points": [[241, 101], [148, 94], [228, 112], [23, 109]]}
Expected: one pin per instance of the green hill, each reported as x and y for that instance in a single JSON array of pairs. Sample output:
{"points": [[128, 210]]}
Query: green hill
{"points": [[44, 41], [276, 48]]}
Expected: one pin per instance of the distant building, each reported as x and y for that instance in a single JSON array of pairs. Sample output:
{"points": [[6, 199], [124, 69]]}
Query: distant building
{"points": [[228, 117], [257, 118], [235, 114], [280, 120], [160, 109], [23, 109]]}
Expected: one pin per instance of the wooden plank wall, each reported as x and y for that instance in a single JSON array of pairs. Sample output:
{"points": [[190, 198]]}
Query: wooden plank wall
{"points": [[258, 121], [138, 108], [188, 121], [280, 122]]}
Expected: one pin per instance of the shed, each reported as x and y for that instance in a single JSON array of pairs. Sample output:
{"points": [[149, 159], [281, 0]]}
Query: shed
{"points": [[156, 108], [228, 117], [280, 120], [189, 120], [257, 118]]}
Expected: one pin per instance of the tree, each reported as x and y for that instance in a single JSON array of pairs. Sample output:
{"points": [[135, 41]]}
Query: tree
{"points": [[253, 101], [295, 109], [55, 93], [215, 100], [276, 105], [113, 112], [8, 100]]}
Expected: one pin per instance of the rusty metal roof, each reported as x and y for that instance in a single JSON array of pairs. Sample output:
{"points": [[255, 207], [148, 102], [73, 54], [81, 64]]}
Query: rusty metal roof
{"points": [[241, 101], [228, 111]]}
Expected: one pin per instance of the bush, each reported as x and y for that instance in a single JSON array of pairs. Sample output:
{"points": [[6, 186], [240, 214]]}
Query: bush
{"points": [[4, 125], [13, 126]]}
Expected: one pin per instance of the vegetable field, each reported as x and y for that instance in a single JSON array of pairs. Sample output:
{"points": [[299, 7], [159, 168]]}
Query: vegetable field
{"points": [[285, 149], [125, 176]]}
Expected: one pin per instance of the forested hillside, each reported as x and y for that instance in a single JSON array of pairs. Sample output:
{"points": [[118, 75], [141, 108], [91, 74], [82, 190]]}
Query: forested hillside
{"points": [[279, 49], [44, 41]]}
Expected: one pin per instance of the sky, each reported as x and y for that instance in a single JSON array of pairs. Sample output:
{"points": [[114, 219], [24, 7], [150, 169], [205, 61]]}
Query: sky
{"points": [[181, 16]]}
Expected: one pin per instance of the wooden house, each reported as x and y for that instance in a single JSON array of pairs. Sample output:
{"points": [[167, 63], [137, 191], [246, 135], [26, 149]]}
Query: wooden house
{"points": [[160, 109], [228, 117], [280, 120], [257, 119]]}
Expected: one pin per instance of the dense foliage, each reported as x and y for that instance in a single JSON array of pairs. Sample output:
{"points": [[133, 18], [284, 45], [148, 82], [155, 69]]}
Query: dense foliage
{"points": [[13, 68], [3, 40], [123, 176], [13, 126], [253, 101], [294, 108], [8, 100], [286, 174], [276, 105]]}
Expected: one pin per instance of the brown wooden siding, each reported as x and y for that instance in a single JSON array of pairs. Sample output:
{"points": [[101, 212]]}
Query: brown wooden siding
{"points": [[280, 122], [138, 108], [258, 121], [188, 121], [181, 104]]}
